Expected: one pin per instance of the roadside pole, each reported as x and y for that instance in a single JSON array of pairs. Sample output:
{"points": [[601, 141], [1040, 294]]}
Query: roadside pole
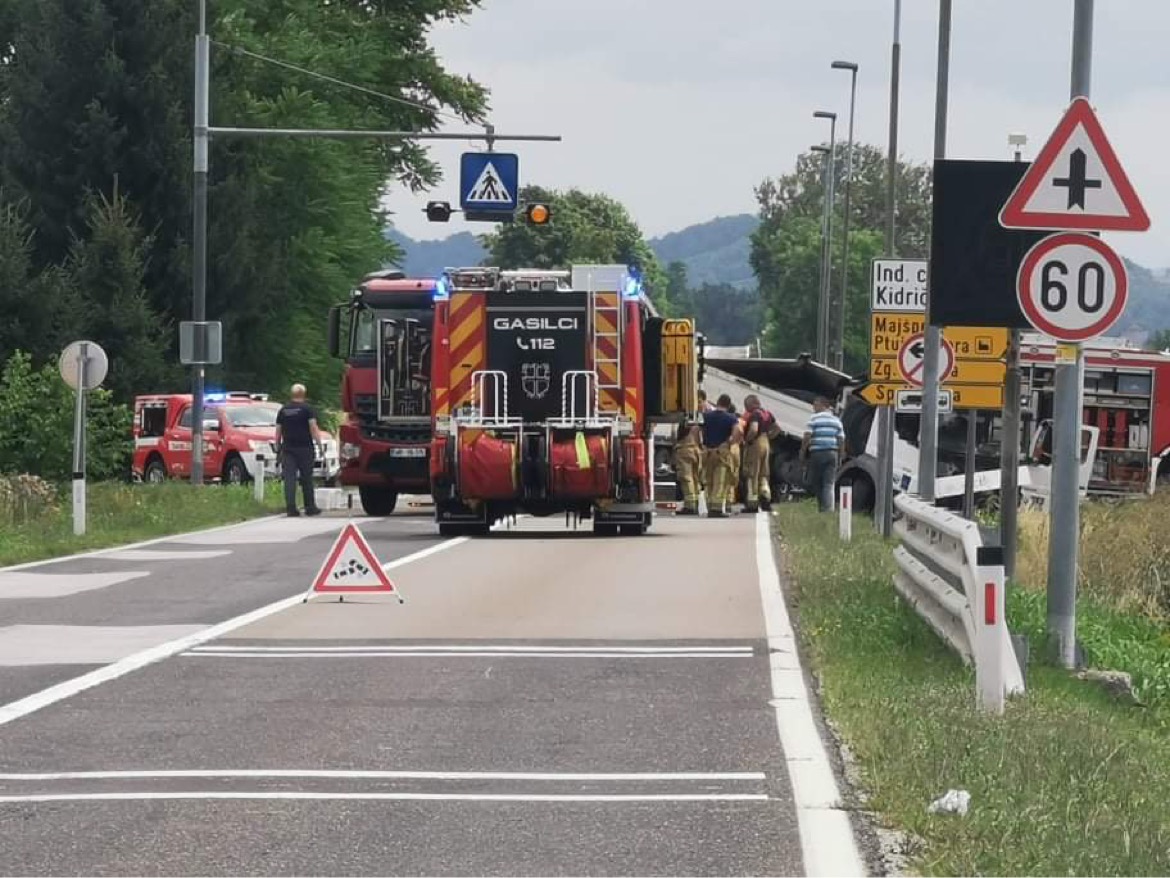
{"points": [[884, 495], [203, 131], [83, 366], [969, 465], [1065, 500], [1009, 458], [928, 429], [79, 443]]}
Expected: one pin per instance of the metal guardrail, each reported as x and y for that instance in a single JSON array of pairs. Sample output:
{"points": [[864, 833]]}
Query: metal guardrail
{"points": [[956, 584]]}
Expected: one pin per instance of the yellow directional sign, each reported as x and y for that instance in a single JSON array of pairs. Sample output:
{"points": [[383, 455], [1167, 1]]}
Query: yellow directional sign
{"points": [[976, 372], [974, 396], [881, 394], [977, 342], [889, 330]]}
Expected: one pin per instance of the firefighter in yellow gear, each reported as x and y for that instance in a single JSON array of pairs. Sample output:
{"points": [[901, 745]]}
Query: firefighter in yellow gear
{"points": [[757, 455], [688, 466], [736, 461], [718, 426]]}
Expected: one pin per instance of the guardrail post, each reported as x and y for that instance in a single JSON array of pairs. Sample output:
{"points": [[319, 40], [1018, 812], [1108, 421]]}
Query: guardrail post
{"points": [[258, 478], [990, 628], [845, 509]]}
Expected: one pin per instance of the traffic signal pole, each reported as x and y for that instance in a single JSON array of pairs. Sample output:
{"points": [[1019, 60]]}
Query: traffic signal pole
{"points": [[202, 142]]}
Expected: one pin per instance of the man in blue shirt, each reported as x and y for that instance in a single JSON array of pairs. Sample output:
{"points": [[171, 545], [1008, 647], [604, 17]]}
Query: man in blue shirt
{"points": [[718, 426], [824, 440]]}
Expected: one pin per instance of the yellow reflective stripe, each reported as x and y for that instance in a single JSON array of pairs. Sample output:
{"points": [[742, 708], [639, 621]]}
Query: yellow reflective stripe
{"points": [[582, 452]]}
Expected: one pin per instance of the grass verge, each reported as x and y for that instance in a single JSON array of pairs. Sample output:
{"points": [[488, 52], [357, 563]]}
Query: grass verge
{"points": [[1066, 782], [118, 513]]}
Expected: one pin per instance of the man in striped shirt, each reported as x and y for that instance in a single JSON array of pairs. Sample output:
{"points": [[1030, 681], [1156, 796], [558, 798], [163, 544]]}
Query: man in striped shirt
{"points": [[823, 443]]}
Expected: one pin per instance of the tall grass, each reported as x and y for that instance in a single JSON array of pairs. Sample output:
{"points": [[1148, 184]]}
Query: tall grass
{"points": [[36, 518], [1124, 554]]}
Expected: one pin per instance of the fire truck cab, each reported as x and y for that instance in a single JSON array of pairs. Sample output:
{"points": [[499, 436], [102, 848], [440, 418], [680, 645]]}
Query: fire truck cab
{"points": [[546, 385], [384, 335]]}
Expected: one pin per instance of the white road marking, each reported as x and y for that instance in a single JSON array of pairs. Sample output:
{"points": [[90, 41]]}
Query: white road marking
{"points": [[349, 774], [476, 648], [269, 531], [165, 555], [57, 585], [382, 797], [100, 553], [30, 704], [440, 654], [826, 835], [28, 645]]}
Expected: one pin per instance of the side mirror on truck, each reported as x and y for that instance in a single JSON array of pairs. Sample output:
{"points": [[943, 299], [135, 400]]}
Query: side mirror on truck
{"points": [[335, 331]]}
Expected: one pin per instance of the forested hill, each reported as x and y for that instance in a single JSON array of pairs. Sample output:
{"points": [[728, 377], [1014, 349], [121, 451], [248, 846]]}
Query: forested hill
{"points": [[714, 252]]}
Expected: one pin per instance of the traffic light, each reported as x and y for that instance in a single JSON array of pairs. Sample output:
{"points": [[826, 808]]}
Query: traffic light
{"points": [[538, 214], [438, 211]]}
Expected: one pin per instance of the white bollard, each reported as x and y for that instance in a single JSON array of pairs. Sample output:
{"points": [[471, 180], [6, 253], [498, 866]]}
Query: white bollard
{"points": [[990, 685], [79, 507], [258, 478], [845, 507]]}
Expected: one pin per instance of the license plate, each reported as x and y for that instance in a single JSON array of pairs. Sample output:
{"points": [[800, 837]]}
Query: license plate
{"points": [[408, 452]]}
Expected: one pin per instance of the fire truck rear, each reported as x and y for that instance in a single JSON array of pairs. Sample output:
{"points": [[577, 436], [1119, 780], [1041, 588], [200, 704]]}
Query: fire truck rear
{"points": [[384, 335], [546, 387]]}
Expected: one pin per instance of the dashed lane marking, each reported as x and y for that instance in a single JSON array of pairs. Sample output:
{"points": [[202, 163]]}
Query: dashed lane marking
{"points": [[32, 703], [30, 645], [24, 585]]}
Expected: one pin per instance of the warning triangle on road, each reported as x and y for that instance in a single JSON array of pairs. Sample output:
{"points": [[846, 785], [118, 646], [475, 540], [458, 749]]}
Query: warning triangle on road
{"points": [[489, 188], [1076, 182], [351, 567]]}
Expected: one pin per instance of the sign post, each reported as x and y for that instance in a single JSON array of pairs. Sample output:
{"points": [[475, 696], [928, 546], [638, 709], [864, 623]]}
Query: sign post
{"points": [[83, 366], [1072, 287]]}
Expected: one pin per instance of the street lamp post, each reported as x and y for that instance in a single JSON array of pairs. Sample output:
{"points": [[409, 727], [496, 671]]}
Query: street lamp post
{"points": [[839, 345], [830, 175]]}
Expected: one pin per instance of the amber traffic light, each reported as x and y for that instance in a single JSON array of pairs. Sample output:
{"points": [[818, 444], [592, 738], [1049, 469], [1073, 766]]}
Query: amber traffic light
{"points": [[538, 214]]}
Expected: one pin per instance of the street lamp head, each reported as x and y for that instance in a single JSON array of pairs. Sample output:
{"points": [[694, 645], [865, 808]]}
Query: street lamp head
{"points": [[1016, 139], [844, 65], [825, 114], [821, 149]]}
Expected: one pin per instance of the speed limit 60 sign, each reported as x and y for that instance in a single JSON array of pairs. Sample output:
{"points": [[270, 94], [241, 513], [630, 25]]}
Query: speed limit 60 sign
{"points": [[1072, 286]]}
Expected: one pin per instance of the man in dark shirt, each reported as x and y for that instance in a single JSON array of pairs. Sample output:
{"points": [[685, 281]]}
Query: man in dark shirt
{"points": [[718, 426], [297, 437]]}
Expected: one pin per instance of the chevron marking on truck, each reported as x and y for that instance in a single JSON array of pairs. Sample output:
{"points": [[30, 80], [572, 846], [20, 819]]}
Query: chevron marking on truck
{"points": [[468, 350]]}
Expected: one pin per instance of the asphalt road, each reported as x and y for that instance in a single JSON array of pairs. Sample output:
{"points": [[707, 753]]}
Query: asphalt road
{"points": [[543, 703]]}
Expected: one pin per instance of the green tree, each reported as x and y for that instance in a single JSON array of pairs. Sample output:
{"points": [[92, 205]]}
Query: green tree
{"points": [[36, 425], [41, 310], [786, 247], [727, 314], [98, 91], [584, 227], [107, 267], [1159, 340]]}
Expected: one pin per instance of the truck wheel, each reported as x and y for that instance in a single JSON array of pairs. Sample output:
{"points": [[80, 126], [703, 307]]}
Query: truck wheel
{"points": [[234, 471], [156, 472], [378, 501]]}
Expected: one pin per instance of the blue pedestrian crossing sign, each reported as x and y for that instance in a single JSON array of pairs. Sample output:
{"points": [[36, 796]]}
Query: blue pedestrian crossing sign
{"points": [[489, 181]]}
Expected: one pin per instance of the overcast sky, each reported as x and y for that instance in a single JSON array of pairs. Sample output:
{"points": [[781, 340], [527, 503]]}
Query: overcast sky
{"points": [[678, 108]]}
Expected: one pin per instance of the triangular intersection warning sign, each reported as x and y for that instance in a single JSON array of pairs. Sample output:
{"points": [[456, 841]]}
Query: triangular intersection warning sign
{"points": [[1076, 182], [351, 567], [489, 188]]}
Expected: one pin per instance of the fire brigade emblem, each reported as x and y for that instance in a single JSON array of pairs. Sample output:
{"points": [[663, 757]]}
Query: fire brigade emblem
{"points": [[535, 378]]}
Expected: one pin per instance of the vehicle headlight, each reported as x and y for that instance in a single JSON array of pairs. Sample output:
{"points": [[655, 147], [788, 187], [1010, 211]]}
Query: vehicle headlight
{"points": [[260, 446], [349, 451]]}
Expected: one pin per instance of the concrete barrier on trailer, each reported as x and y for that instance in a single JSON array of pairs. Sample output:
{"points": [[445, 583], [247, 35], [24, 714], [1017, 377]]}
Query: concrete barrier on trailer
{"points": [[956, 584]]}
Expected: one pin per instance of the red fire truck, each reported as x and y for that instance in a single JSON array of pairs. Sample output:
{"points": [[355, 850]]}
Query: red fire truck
{"points": [[546, 385], [384, 335]]}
